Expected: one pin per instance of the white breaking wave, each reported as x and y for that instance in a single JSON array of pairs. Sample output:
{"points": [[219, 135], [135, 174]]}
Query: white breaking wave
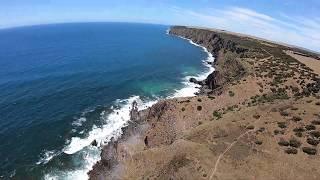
{"points": [[112, 126], [168, 31], [79, 121], [190, 88], [113, 123], [88, 159], [47, 156]]}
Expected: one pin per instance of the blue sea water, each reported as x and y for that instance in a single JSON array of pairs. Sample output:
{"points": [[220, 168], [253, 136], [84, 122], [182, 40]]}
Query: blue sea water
{"points": [[64, 85]]}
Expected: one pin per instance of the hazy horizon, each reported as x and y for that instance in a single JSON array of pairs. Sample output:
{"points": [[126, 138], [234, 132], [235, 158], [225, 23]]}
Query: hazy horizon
{"points": [[289, 21]]}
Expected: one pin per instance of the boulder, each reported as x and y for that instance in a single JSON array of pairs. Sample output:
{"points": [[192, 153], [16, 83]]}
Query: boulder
{"points": [[193, 80], [94, 143]]}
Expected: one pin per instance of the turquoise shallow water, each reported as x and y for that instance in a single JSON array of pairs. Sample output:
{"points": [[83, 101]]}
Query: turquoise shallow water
{"points": [[63, 85]]}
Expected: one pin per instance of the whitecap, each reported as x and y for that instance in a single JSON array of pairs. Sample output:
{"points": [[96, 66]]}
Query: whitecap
{"points": [[47, 156], [190, 89], [79, 121], [113, 122]]}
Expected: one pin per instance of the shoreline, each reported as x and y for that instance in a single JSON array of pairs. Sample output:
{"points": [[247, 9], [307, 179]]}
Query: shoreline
{"points": [[97, 134], [192, 89], [257, 99], [208, 62]]}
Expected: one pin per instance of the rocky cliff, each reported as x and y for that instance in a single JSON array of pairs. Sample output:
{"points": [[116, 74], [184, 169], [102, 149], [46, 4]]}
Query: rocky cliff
{"points": [[266, 115], [225, 51]]}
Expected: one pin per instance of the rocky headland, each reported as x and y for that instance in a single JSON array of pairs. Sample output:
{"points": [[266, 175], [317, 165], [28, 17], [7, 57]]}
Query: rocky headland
{"points": [[256, 117]]}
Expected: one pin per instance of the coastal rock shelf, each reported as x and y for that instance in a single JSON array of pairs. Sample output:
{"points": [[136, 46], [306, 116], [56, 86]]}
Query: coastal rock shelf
{"points": [[256, 117]]}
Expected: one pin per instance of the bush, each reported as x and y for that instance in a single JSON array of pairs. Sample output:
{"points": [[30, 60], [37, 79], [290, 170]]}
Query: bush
{"points": [[211, 97], [315, 134], [199, 100], [282, 125], [296, 118], [294, 143], [284, 113], [299, 134], [291, 151], [199, 108], [183, 109], [217, 114], [310, 127], [309, 150], [262, 129], [230, 108], [298, 129], [231, 93], [256, 116], [315, 122], [258, 142], [250, 127], [283, 142], [312, 141]]}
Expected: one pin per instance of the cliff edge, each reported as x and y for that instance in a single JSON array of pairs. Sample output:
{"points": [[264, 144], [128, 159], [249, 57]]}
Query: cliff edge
{"points": [[257, 117]]}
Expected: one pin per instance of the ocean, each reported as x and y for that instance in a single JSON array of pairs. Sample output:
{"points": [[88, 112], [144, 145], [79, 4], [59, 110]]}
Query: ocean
{"points": [[63, 86]]}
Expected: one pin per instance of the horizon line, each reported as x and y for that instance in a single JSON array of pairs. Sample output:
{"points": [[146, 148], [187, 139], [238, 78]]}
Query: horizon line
{"points": [[170, 25]]}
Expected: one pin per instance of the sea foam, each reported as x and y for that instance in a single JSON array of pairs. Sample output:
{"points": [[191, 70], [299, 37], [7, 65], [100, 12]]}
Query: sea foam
{"points": [[190, 88], [113, 123]]}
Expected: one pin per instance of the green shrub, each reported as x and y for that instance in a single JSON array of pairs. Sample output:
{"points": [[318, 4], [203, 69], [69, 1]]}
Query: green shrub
{"points": [[282, 125], [296, 118], [312, 141], [283, 142], [309, 150], [294, 143], [284, 113], [310, 127], [231, 93], [291, 151], [217, 114], [256, 116]]}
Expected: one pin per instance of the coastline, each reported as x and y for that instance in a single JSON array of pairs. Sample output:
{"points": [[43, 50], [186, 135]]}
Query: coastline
{"points": [[235, 117], [191, 89], [100, 136]]}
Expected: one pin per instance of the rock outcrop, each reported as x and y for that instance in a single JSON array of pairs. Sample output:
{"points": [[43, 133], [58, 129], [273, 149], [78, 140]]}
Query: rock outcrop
{"points": [[116, 150]]}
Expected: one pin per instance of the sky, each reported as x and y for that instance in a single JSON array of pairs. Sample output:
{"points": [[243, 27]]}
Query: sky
{"points": [[295, 22]]}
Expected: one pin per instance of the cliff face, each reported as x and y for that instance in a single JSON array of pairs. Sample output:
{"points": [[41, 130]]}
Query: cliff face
{"points": [[248, 130], [225, 53], [135, 134]]}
